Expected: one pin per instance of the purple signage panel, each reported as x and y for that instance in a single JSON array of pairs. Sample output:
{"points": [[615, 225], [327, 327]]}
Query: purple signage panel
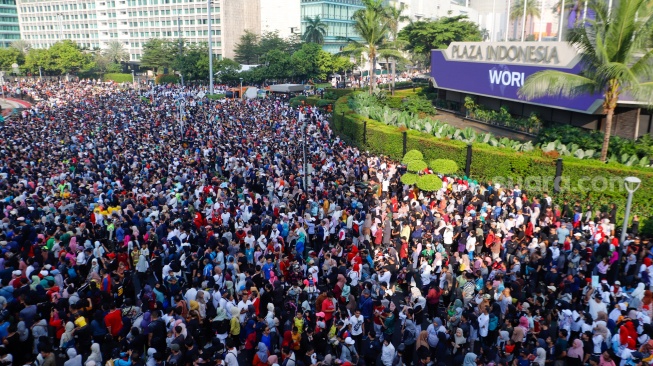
{"points": [[501, 81]]}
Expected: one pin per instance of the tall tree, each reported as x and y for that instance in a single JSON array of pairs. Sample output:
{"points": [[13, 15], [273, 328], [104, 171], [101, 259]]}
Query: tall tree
{"points": [[116, 52], [311, 62], [371, 25], [271, 41], [517, 12], [193, 63], [21, 45], [395, 15], [423, 36], [247, 50], [157, 54], [315, 31], [66, 57], [38, 57], [613, 50], [10, 56]]}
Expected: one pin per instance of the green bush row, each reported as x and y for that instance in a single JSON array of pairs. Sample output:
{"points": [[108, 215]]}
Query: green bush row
{"points": [[167, 79], [582, 180], [333, 93], [118, 78]]}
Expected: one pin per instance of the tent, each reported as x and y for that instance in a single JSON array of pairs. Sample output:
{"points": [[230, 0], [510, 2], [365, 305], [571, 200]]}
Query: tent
{"points": [[287, 88]]}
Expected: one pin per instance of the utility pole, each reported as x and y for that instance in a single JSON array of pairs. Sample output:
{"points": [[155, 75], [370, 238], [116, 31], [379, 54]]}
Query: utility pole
{"points": [[541, 20], [562, 20], [494, 20], [210, 50], [507, 21], [181, 46], [523, 21], [60, 18]]}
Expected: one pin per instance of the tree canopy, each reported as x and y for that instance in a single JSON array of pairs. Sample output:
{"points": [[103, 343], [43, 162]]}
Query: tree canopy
{"points": [[613, 49], [423, 36]]}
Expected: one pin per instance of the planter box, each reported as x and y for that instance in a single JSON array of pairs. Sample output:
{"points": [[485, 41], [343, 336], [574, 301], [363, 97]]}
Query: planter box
{"points": [[499, 126]]}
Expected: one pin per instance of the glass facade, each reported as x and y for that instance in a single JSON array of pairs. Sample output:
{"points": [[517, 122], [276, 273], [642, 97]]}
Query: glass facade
{"points": [[9, 28], [337, 15]]}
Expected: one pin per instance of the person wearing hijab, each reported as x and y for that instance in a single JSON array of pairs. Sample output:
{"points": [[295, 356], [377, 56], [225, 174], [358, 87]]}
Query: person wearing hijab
{"points": [[95, 354], [261, 356], [67, 338], [73, 358], [150, 357], [459, 342], [470, 359], [575, 354]]}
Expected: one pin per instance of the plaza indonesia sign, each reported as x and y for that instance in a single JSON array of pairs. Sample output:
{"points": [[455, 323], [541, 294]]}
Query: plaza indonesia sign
{"points": [[499, 69]]}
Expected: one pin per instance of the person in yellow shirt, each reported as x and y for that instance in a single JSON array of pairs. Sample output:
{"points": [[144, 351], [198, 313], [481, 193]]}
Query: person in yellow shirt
{"points": [[234, 329], [299, 322]]}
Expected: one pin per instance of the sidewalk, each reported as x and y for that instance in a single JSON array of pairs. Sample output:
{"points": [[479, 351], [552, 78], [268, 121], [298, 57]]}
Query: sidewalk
{"points": [[459, 122]]}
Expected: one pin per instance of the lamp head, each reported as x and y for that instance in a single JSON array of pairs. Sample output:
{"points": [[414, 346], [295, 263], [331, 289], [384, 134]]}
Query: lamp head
{"points": [[632, 184]]}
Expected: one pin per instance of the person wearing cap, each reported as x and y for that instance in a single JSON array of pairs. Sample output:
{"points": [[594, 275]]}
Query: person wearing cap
{"points": [[348, 351]]}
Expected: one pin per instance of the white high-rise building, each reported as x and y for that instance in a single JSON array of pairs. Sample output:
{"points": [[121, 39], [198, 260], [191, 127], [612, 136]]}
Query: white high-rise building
{"points": [[94, 23], [417, 10], [282, 16]]}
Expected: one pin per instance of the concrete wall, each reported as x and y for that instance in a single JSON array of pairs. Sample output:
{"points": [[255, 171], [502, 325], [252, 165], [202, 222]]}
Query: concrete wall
{"points": [[238, 16], [280, 16]]}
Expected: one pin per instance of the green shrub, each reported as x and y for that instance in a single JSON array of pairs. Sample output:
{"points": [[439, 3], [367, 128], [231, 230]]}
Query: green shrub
{"points": [[325, 102], [412, 155], [416, 166], [409, 178], [504, 165], [311, 101], [393, 102], [118, 78], [429, 183], [333, 93], [443, 166], [167, 79], [215, 96], [417, 105]]}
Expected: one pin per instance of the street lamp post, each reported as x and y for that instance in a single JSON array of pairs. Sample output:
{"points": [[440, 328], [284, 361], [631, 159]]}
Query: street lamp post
{"points": [[304, 127], [631, 184], [210, 50], [241, 89]]}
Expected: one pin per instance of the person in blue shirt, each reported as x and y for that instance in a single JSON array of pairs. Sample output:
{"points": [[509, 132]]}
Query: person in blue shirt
{"points": [[267, 267]]}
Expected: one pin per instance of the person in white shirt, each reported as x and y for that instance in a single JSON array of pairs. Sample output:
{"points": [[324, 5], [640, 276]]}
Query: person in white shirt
{"points": [[387, 353], [357, 322], [483, 323], [243, 305], [231, 358]]}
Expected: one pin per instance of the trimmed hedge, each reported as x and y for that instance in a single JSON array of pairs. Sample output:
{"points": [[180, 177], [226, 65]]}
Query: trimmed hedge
{"points": [[443, 166], [118, 78], [412, 155], [215, 96], [338, 93], [167, 79], [429, 183], [582, 180]]}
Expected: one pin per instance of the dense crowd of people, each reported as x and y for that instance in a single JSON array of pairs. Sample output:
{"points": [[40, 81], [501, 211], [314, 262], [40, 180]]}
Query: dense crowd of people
{"points": [[133, 234]]}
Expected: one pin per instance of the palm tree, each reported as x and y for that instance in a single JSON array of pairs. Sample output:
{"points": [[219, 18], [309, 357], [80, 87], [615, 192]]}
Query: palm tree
{"points": [[613, 50], [21, 45], [371, 25], [394, 16], [316, 29], [115, 52], [517, 12]]}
